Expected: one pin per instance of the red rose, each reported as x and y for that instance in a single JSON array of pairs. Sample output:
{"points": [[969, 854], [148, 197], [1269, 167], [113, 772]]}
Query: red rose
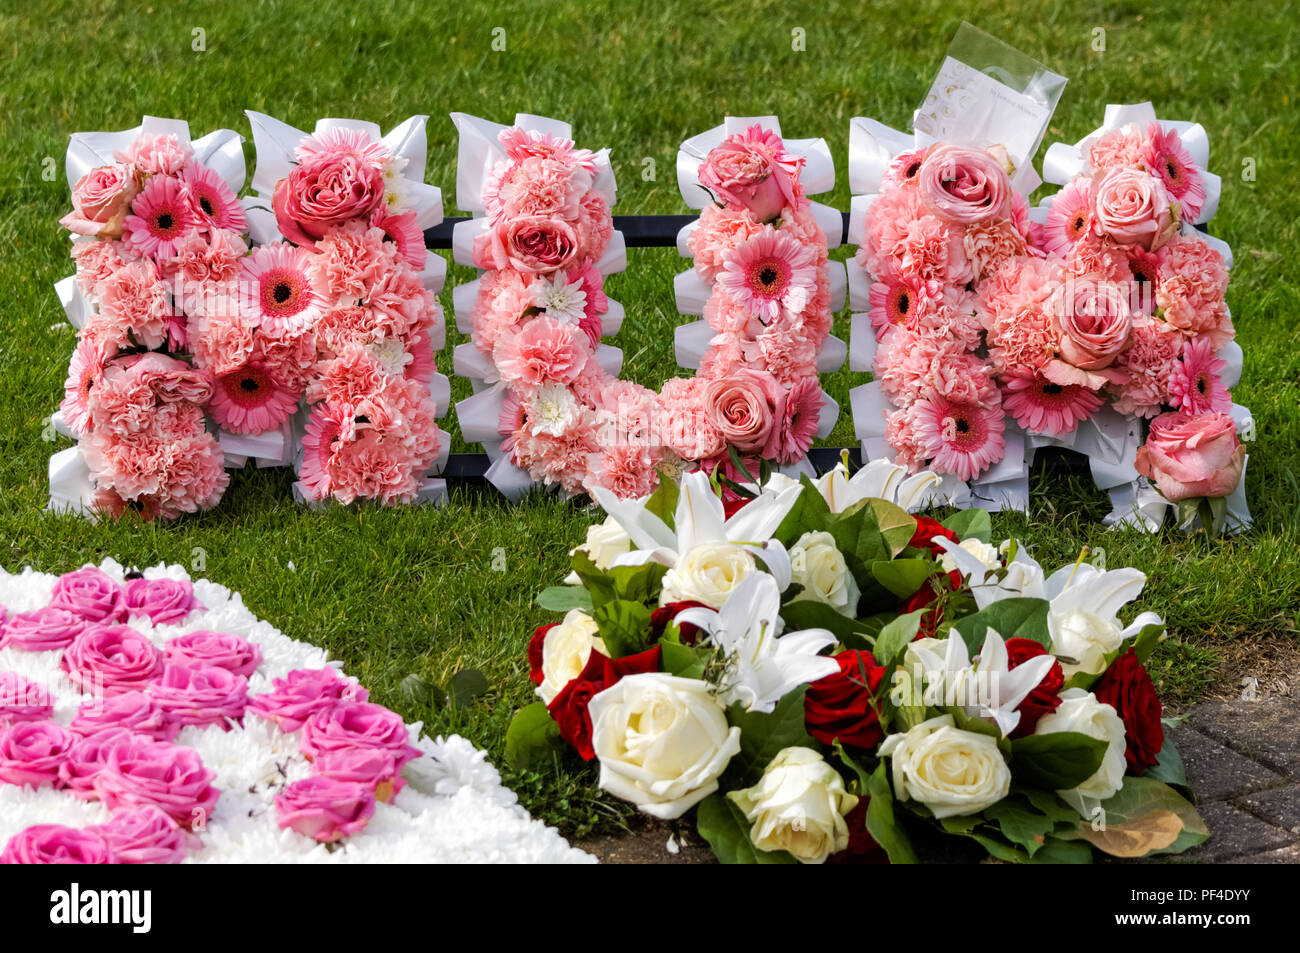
{"points": [[1046, 697], [569, 707], [1127, 688], [535, 652], [660, 618], [731, 507], [842, 706], [923, 597], [862, 848], [926, 530]]}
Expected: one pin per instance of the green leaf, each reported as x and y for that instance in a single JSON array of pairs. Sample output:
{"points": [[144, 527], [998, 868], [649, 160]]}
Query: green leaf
{"points": [[810, 614], [970, 523], [902, 577], [1169, 768], [599, 584], [416, 689], [531, 737], [624, 626], [564, 598], [739, 464], [809, 514], [1057, 851], [1020, 823], [1144, 643], [1146, 817], [465, 686], [894, 524], [725, 827], [1056, 761], [896, 636], [683, 660], [638, 583], [1018, 618], [663, 502], [762, 736], [882, 820]]}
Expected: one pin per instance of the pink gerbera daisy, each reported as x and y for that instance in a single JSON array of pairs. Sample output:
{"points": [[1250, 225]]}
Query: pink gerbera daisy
{"points": [[962, 438], [1168, 158], [355, 142], [320, 445], [85, 370], [160, 218], [275, 289], [1196, 384], [250, 400], [797, 429], [1070, 218], [769, 272], [402, 231], [1044, 407], [213, 201]]}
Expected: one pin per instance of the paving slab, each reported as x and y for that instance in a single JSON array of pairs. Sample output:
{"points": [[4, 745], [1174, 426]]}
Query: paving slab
{"points": [[1233, 833], [1279, 807], [1266, 730], [1215, 771]]}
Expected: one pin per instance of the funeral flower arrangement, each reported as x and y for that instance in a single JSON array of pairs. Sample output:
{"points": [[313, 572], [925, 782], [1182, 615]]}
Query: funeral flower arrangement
{"points": [[157, 235], [995, 329], [342, 314], [549, 405], [145, 718], [818, 673]]}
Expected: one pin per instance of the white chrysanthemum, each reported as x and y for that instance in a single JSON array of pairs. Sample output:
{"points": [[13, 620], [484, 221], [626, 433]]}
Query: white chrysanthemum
{"points": [[553, 410], [392, 357], [560, 298], [397, 188]]}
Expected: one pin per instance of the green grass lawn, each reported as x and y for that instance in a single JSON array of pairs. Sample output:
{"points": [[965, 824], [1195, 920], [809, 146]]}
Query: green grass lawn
{"points": [[414, 590]]}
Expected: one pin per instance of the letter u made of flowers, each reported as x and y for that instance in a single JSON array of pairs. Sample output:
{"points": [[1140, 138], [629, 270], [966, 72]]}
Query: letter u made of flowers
{"points": [[157, 237], [328, 360]]}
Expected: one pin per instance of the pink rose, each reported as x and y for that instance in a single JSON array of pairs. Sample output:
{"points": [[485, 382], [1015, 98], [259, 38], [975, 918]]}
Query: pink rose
{"points": [[376, 768], [56, 844], [752, 171], [31, 752], [327, 188], [116, 657], [531, 243], [963, 186], [222, 649], [1187, 456], [42, 630], [202, 695], [90, 594], [325, 809], [135, 711], [86, 758], [1132, 208], [304, 693], [143, 835], [1095, 321], [164, 601], [168, 776], [101, 200], [357, 725], [744, 406], [171, 381], [23, 700]]}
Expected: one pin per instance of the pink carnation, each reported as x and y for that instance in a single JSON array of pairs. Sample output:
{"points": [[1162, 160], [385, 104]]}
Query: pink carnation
{"points": [[1149, 364], [157, 154], [686, 425], [1190, 290], [134, 305], [543, 350]]}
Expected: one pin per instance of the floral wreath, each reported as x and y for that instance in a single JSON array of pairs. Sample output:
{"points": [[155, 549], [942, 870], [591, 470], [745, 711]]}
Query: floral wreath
{"points": [[548, 405], [992, 329], [342, 278], [157, 230], [148, 718]]}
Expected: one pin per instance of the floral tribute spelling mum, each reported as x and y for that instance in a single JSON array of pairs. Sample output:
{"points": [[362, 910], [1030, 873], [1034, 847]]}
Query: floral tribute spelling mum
{"points": [[817, 673], [549, 407], [157, 236], [145, 718], [995, 330], [342, 288]]}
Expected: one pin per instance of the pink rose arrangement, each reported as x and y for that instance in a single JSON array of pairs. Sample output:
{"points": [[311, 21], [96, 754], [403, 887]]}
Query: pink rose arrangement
{"points": [[341, 319], [158, 238], [567, 421]]}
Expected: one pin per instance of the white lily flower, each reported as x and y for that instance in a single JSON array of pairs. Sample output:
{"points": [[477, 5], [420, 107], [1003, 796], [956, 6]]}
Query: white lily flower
{"points": [[989, 688], [1023, 579], [878, 479], [763, 665], [701, 521]]}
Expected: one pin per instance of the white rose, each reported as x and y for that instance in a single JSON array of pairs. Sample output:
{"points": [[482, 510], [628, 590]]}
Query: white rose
{"points": [[707, 573], [1082, 639], [818, 566], [949, 770], [1080, 711], [798, 806], [605, 542], [662, 742], [565, 651], [984, 552]]}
